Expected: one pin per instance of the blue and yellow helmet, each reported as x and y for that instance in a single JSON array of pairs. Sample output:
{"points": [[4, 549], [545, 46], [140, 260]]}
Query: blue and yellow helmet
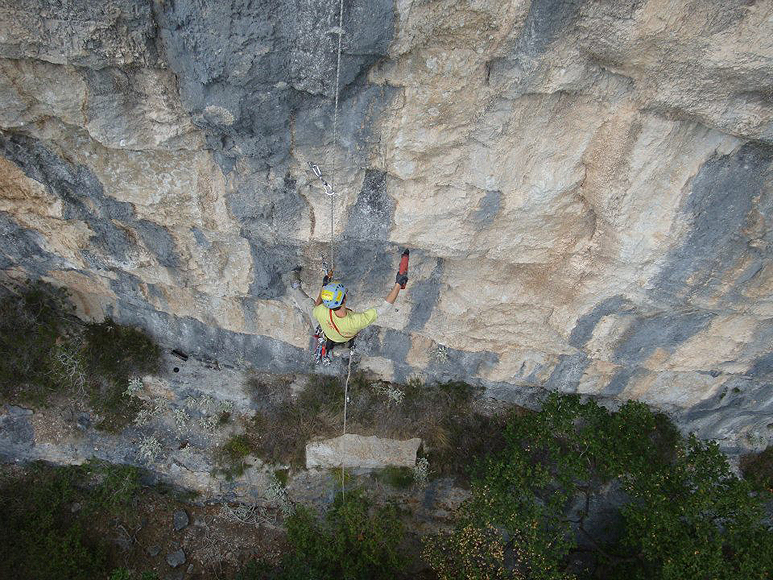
{"points": [[333, 294]]}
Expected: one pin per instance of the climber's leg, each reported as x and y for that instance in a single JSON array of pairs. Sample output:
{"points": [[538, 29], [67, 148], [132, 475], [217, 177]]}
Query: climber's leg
{"points": [[302, 301]]}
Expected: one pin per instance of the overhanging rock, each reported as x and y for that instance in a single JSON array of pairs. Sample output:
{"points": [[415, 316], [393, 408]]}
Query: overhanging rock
{"points": [[360, 451]]}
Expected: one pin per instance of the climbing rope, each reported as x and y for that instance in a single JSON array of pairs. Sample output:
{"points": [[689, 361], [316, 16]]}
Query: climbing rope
{"points": [[330, 192], [343, 437], [330, 187], [340, 32]]}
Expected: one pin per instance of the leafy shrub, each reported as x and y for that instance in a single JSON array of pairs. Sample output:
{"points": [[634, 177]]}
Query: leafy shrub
{"points": [[353, 542], [113, 354], [42, 537], [117, 352], [232, 454], [694, 519], [471, 553], [115, 486], [687, 515], [43, 350], [39, 539]]}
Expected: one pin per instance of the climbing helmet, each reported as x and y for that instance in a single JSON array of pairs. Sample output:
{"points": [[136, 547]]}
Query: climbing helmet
{"points": [[333, 294]]}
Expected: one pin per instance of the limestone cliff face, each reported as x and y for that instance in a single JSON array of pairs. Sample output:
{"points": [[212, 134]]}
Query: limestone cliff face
{"points": [[585, 186]]}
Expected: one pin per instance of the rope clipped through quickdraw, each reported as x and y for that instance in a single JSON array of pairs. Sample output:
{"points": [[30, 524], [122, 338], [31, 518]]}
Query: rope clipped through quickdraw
{"points": [[330, 191], [340, 32], [330, 187]]}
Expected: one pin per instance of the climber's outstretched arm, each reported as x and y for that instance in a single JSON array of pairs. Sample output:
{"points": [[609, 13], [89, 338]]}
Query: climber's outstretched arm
{"points": [[386, 306], [392, 296]]}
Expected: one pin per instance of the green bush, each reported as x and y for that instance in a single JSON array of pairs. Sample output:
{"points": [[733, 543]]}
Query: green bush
{"points": [[353, 542], [469, 553], [39, 538], [757, 468], [42, 537], [688, 517], [118, 352], [115, 486], [113, 354], [231, 456], [694, 519]]}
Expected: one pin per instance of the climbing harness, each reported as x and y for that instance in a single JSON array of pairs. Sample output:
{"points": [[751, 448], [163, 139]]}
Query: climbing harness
{"points": [[321, 354]]}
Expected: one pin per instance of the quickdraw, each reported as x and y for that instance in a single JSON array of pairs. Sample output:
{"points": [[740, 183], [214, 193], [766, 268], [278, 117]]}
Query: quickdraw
{"points": [[318, 172]]}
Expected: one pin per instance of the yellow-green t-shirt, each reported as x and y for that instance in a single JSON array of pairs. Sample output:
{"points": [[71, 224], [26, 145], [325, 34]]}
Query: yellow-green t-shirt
{"points": [[349, 325]]}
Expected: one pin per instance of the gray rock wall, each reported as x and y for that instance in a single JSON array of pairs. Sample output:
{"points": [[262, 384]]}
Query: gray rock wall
{"points": [[585, 186]]}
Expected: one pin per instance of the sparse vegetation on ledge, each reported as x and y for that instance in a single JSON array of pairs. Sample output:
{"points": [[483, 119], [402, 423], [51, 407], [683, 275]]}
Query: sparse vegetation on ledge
{"points": [[46, 351], [443, 415]]}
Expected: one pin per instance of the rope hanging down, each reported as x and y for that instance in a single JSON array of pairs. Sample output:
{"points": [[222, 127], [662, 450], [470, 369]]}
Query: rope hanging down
{"points": [[343, 439], [330, 192], [330, 187]]}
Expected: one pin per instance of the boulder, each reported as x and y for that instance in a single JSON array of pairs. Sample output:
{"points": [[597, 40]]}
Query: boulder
{"points": [[360, 451], [176, 558]]}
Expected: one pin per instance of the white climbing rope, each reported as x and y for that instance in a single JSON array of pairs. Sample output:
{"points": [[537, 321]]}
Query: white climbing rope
{"points": [[343, 438], [340, 32], [330, 187], [330, 192]]}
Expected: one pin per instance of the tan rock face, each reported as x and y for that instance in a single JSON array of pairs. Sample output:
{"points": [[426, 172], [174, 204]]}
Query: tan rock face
{"points": [[585, 187]]}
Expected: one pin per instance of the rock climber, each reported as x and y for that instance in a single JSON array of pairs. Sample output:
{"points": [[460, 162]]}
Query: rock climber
{"points": [[335, 323]]}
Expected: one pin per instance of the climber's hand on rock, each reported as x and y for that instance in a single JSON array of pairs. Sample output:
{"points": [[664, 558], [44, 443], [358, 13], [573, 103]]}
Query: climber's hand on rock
{"points": [[328, 277], [401, 279]]}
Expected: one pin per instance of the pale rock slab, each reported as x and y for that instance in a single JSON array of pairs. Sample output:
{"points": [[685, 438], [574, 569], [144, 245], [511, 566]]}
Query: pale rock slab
{"points": [[360, 451]]}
